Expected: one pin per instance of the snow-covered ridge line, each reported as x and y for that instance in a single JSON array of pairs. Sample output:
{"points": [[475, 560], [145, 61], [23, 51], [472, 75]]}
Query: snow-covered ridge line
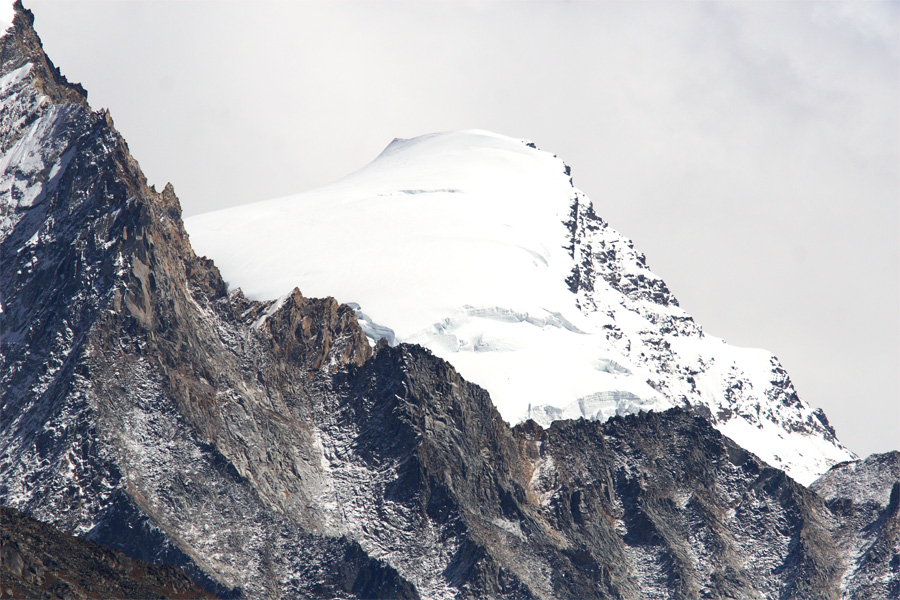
{"points": [[479, 247]]}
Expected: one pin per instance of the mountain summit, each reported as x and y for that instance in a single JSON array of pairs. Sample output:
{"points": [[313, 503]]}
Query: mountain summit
{"points": [[479, 247]]}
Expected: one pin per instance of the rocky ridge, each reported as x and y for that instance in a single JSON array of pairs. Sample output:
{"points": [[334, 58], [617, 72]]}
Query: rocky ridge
{"points": [[865, 510], [38, 561], [267, 450], [741, 391]]}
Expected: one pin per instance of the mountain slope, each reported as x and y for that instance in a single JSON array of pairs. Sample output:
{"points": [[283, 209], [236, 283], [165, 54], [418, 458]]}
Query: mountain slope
{"points": [[109, 420], [480, 248], [864, 496], [39, 562]]}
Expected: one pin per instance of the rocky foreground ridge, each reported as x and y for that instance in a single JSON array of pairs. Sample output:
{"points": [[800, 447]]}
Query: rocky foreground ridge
{"points": [[37, 561], [268, 451]]}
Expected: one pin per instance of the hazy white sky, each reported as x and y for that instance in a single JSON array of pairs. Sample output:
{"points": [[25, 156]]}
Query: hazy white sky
{"points": [[751, 150]]}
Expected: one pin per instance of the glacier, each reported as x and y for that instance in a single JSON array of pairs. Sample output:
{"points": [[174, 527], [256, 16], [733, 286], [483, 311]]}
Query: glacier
{"points": [[480, 248]]}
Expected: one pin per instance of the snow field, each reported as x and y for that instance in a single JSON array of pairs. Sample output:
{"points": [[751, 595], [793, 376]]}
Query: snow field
{"points": [[459, 242]]}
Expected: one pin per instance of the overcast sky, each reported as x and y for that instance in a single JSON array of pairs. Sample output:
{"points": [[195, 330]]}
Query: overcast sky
{"points": [[751, 150]]}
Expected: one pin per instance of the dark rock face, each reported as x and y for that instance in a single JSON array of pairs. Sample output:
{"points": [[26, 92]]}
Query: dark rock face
{"points": [[864, 497], [681, 511], [597, 257], [267, 450], [38, 561], [140, 409]]}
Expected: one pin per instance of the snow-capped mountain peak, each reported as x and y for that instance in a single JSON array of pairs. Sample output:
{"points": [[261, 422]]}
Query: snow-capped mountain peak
{"points": [[479, 247], [265, 449]]}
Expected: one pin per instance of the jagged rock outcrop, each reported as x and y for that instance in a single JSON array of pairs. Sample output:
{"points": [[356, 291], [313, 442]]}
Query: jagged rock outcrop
{"points": [[269, 451], [864, 499], [751, 390], [684, 512], [125, 368], [38, 561]]}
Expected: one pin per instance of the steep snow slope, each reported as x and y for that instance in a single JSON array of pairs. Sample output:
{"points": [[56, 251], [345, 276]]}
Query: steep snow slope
{"points": [[479, 247], [6, 15]]}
